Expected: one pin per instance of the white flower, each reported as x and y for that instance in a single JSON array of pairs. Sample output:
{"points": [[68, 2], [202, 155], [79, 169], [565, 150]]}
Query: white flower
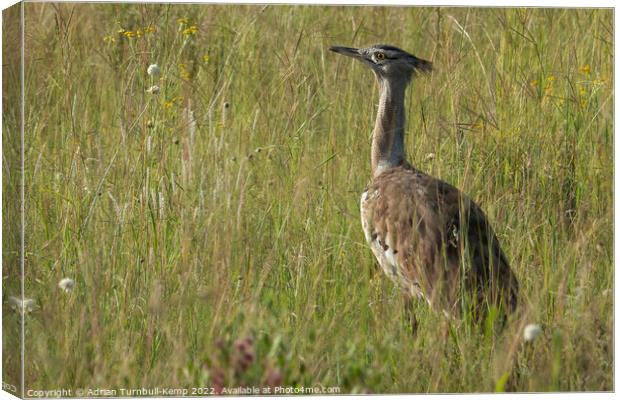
{"points": [[531, 332], [153, 70], [22, 305], [66, 284], [153, 89]]}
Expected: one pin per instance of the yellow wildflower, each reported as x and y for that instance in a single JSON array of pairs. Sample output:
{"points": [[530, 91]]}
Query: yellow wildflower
{"points": [[109, 39], [585, 69], [149, 29], [185, 75], [139, 33], [205, 58], [190, 31], [168, 104], [129, 34]]}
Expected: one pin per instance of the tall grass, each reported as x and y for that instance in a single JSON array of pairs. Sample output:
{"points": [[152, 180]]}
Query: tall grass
{"points": [[226, 206]]}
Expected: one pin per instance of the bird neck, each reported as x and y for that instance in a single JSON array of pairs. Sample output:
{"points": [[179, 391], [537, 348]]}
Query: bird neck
{"points": [[388, 144]]}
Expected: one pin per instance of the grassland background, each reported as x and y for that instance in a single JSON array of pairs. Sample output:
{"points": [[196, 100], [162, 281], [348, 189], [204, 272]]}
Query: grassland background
{"points": [[184, 238]]}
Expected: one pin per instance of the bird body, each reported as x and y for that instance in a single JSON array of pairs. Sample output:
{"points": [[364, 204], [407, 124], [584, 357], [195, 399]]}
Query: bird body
{"points": [[432, 240]]}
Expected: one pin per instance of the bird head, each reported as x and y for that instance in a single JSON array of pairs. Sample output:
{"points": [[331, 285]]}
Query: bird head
{"points": [[387, 62]]}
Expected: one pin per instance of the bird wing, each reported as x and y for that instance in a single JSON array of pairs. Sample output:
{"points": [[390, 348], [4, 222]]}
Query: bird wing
{"points": [[419, 228], [490, 273]]}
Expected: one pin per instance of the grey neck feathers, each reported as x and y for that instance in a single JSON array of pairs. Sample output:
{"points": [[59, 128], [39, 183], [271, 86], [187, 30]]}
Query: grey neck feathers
{"points": [[388, 146]]}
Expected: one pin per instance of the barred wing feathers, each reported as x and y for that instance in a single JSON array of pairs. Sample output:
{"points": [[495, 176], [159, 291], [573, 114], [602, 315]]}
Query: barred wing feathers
{"points": [[434, 242]]}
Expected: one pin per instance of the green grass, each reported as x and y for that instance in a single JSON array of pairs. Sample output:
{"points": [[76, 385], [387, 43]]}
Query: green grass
{"points": [[182, 242]]}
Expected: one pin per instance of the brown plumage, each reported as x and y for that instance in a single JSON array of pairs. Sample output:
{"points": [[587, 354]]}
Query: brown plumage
{"points": [[432, 240]]}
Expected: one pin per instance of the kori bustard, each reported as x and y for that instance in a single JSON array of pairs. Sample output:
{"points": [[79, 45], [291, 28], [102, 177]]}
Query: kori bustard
{"points": [[429, 238]]}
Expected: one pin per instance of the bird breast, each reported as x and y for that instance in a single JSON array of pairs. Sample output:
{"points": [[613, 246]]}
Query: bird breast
{"points": [[384, 245]]}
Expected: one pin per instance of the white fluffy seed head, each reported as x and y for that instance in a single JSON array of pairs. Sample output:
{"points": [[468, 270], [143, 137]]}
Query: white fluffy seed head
{"points": [[22, 305], [153, 89], [66, 284], [531, 332], [153, 70]]}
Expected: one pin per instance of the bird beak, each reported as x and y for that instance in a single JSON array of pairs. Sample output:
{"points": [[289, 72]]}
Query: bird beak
{"points": [[347, 51]]}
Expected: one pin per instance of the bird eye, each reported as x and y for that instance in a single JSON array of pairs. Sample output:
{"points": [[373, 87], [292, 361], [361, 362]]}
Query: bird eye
{"points": [[380, 56]]}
